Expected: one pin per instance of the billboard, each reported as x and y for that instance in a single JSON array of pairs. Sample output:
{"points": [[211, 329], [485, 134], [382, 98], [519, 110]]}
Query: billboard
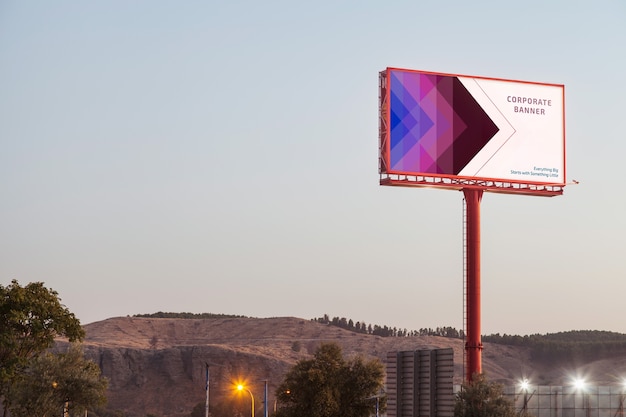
{"points": [[468, 129]]}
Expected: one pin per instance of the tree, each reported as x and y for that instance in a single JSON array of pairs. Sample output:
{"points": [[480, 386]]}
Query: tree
{"points": [[60, 380], [30, 318], [330, 386], [480, 398]]}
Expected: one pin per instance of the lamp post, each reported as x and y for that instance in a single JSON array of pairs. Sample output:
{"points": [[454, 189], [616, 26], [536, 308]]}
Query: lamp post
{"points": [[620, 408], [241, 388], [265, 381], [377, 398], [581, 386], [66, 403], [525, 386], [377, 405], [206, 404]]}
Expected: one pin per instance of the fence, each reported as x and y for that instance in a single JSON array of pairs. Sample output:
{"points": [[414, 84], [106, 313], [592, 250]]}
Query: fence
{"points": [[569, 401]]}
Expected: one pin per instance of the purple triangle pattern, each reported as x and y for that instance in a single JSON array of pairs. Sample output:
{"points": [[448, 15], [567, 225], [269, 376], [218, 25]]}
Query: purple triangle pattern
{"points": [[436, 126]]}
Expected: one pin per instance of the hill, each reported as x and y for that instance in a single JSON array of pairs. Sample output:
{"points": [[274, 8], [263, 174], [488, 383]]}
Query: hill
{"points": [[157, 365]]}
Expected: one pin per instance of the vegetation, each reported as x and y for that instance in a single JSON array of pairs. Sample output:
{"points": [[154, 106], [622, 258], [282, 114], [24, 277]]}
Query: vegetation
{"points": [[574, 346], [330, 386], [567, 347], [61, 381], [564, 347], [162, 315], [386, 331], [481, 398], [31, 317], [348, 324]]}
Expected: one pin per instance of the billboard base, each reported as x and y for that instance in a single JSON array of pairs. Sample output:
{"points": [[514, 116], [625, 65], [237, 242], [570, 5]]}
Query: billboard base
{"points": [[543, 190]]}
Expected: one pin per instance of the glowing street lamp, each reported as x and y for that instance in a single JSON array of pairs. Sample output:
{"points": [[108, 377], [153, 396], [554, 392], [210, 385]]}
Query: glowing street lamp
{"points": [[242, 388], [525, 387], [579, 384], [66, 404]]}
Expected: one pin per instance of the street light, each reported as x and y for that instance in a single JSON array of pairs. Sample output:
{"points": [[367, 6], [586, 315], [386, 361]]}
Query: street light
{"points": [[579, 384], [377, 398], [265, 381], [622, 397], [241, 388], [66, 404], [525, 387], [206, 404]]}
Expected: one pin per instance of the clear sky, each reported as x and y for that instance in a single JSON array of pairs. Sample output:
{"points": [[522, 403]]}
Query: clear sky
{"points": [[222, 156]]}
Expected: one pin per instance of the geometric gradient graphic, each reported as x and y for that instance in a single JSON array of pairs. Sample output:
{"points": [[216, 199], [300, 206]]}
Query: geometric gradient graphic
{"points": [[436, 125]]}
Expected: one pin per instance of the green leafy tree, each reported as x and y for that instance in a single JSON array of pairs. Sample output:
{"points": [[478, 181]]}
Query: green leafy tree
{"points": [[330, 386], [30, 318], [60, 380], [481, 398]]}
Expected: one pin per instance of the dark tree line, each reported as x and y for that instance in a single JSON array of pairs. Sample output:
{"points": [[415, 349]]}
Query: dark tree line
{"points": [[563, 347], [169, 315], [386, 331]]}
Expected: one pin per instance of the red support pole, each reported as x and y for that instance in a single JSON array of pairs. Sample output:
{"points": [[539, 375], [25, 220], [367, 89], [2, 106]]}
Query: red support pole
{"points": [[473, 344]]}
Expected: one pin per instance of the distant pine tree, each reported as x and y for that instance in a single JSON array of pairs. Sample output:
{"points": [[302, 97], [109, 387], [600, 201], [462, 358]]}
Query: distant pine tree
{"points": [[388, 331], [169, 315], [563, 347]]}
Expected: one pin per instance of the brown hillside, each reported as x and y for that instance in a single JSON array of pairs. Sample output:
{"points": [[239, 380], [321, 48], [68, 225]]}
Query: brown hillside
{"points": [[157, 366]]}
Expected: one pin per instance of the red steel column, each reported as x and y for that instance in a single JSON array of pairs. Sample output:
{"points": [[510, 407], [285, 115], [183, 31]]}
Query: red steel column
{"points": [[473, 344]]}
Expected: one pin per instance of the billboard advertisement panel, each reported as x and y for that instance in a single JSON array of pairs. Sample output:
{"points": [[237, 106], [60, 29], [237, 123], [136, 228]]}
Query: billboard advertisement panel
{"points": [[464, 127]]}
